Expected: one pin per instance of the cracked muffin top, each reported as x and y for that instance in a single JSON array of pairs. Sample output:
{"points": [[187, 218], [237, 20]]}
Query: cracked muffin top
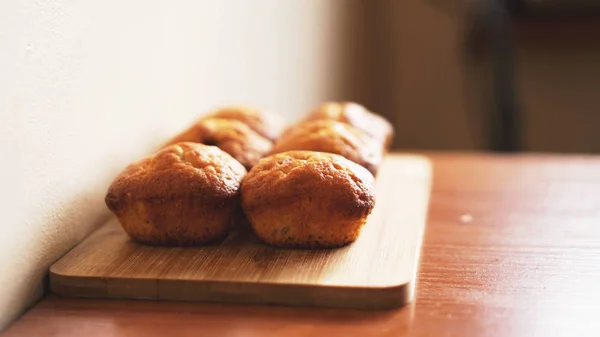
{"points": [[333, 137], [356, 115], [177, 171], [231, 136]]}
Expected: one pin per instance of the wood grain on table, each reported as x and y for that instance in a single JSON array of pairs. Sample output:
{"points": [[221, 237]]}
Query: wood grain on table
{"points": [[512, 248]]}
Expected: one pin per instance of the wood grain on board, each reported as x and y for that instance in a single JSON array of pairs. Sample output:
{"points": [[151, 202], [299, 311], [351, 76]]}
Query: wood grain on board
{"points": [[377, 271]]}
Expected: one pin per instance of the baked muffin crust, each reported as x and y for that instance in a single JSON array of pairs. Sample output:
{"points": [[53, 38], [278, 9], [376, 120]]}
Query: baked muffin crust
{"points": [[308, 199], [231, 136], [333, 137], [185, 194], [356, 115], [264, 123]]}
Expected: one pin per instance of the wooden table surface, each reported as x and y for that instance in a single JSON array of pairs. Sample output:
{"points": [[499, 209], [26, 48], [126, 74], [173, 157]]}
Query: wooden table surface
{"points": [[512, 248]]}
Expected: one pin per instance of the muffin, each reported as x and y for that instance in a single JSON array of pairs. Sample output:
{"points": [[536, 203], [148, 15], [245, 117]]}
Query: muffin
{"points": [[358, 116], [333, 137], [186, 194], [231, 136], [265, 124], [307, 199]]}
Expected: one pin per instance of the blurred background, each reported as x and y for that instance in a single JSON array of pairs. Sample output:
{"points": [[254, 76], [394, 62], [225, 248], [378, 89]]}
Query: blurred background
{"points": [[88, 86], [516, 75]]}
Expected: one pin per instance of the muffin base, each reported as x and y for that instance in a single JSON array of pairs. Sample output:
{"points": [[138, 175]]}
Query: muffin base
{"points": [[177, 222]]}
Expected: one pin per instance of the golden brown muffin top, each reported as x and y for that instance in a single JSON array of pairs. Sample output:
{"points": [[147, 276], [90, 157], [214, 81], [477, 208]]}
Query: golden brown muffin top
{"points": [[179, 170], [333, 137], [264, 123], [286, 176], [231, 136], [356, 115]]}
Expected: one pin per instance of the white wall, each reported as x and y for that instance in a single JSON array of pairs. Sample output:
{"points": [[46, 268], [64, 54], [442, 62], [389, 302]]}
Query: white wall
{"points": [[87, 86]]}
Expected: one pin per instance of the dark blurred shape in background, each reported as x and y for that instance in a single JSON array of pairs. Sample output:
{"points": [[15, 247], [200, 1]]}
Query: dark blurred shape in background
{"points": [[479, 74]]}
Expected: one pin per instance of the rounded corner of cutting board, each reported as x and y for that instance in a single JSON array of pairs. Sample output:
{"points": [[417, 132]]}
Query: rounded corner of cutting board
{"points": [[57, 282], [59, 270], [54, 270], [387, 298], [396, 295]]}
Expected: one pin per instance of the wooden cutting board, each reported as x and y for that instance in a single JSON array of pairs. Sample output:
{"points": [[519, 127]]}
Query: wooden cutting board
{"points": [[377, 271]]}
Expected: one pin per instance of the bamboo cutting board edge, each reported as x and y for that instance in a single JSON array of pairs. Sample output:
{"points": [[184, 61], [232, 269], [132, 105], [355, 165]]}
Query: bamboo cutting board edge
{"points": [[260, 293], [67, 280]]}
